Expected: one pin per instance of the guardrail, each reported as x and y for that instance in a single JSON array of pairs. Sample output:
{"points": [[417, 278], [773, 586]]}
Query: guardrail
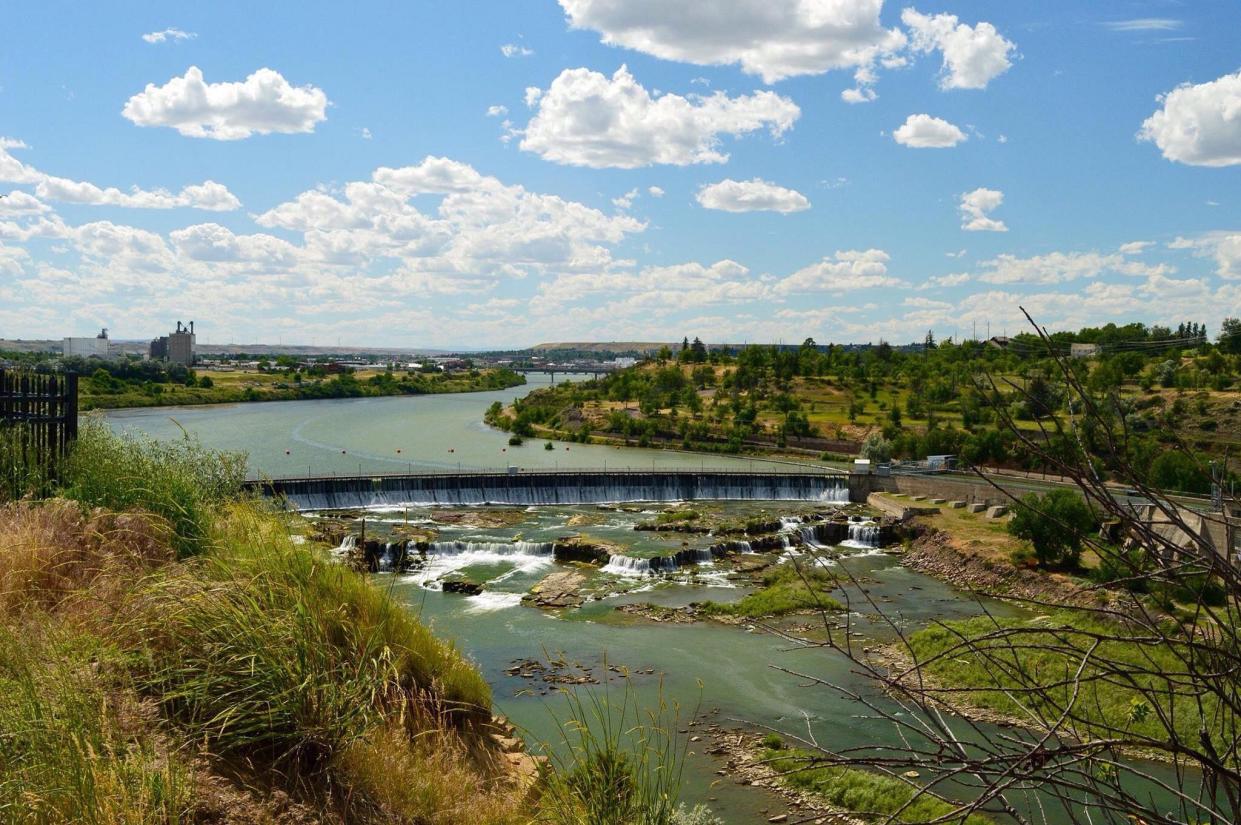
{"points": [[619, 472]]}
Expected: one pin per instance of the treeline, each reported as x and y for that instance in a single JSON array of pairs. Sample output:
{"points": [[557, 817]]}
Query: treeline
{"points": [[1159, 385], [104, 391]]}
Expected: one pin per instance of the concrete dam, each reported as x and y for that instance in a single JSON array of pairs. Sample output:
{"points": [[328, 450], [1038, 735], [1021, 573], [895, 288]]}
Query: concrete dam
{"points": [[550, 488]]}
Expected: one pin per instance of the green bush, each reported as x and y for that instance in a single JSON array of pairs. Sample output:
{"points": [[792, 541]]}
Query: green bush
{"points": [[181, 481]]}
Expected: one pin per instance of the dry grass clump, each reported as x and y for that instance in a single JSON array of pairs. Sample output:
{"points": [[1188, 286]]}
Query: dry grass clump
{"points": [[54, 549], [433, 778]]}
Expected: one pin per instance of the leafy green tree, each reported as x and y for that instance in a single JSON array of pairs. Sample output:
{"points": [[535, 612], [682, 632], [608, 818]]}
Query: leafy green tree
{"points": [[877, 448], [1176, 470], [1230, 336], [1056, 524]]}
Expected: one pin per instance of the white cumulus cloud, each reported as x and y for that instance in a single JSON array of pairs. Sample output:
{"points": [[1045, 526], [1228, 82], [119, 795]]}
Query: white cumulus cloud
{"points": [[18, 202], [846, 270], [976, 207], [1199, 125], [754, 195], [207, 195], [168, 35], [261, 104], [973, 55], [515, 50], [1062, 267], [926, 132], [773, 39], [588, 119]]}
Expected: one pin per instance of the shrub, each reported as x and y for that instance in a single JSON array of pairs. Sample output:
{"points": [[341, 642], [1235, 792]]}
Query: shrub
{"points": [[181, 481]]}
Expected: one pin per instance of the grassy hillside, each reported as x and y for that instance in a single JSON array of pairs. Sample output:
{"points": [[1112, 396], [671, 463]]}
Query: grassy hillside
{"points": [[1173, 400], [169, 654]]}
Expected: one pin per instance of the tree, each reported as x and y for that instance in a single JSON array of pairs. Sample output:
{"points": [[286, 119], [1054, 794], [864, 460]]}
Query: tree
{"points": [[1056, 523], [876, 448], [1178, 471], [1230, 336]]}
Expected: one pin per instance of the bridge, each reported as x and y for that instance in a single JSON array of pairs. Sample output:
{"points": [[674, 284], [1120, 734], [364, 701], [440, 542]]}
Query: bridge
{"points": [[564, 370], [516, 487]]}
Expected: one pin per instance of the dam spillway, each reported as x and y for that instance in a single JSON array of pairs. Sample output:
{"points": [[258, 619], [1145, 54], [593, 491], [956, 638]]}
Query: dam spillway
{"points": [[552, 488]]}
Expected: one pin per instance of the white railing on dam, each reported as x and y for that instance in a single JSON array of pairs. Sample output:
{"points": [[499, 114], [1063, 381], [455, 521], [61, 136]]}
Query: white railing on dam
{"points": [[528, 488]]}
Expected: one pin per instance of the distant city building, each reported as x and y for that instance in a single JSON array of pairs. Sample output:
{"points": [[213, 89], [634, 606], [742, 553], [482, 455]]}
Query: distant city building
{"points": [[1083, 350], [96, 347], [177, 347], [622, 363]]}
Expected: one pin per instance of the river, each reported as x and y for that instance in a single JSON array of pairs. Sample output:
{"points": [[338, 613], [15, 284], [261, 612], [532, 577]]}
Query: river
{"points": [[729, 672], [391, 434]]}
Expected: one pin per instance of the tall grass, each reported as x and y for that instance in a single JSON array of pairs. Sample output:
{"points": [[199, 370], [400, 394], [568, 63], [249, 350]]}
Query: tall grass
{"points": [[623, 765], [73, 745], [885, 798], [180, 481], [54, 550], [1102, 703], [262, 646], [21, 472]]}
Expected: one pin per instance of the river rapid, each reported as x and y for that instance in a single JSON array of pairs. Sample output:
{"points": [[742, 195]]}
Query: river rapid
{"points": [[728, 672]]}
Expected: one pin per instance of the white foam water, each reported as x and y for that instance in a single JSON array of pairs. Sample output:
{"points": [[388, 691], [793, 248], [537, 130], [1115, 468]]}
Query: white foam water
{"points": [[864, 535], [489, 602], [444, 557], [619, 565]]}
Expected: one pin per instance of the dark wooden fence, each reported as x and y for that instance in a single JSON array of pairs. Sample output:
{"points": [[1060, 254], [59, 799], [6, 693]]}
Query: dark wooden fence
{"points": [[42, 409]]}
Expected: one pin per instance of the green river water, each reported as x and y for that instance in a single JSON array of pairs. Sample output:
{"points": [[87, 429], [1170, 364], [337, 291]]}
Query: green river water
{"points": [[729, 672]]}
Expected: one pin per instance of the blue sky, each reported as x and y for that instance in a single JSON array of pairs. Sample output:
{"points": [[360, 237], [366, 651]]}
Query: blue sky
{"points": [[499, 174]]}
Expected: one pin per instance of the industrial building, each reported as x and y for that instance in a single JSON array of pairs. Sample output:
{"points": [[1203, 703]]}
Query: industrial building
{"points": [[176, 347], [96, 347]]}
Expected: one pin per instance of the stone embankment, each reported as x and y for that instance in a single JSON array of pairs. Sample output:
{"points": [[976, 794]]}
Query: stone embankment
{"points": [[935, 553]]}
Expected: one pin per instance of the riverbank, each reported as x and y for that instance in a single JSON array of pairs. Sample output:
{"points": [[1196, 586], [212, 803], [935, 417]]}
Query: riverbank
{"points": [[240, 388], [168, 646]]}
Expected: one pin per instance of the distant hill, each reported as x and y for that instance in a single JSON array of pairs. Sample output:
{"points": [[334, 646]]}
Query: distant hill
{"points": [[605, 346], [140, 348]]}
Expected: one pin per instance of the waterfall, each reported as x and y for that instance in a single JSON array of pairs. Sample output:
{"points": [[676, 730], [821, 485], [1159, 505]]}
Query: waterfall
{"points": [[533, 489], [704, 556], [810, 536], [789, 522], [491, 548], [863, 534], [738, 547], [347, 545], [620, 565], [444, 557]]}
